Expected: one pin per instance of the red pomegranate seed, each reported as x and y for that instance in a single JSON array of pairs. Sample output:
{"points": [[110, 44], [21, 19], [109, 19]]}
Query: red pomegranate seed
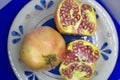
{"points": [[84, 15], [85, 27], [82, 49], [65, 71], [89, 51], [69, 76], [86, 7], [66, 63], [91, 30], [76, 10], [82, 24], [80, 68], [76, 59], [72, 67], [77, 17]]}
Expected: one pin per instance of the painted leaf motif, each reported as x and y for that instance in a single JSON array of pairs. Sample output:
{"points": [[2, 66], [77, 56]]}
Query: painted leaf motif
{"points": [[28, 73], [37, 7], [21, 29], [14, 33], [43, 2], [31, 77], [105, 57], [50, 4], [36, 78], [14, 41], [108, 51], [104, 45]]}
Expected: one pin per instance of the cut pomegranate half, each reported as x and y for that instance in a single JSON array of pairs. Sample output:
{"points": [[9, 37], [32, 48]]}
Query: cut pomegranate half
{"points": [[81, 59], [75, 18]]}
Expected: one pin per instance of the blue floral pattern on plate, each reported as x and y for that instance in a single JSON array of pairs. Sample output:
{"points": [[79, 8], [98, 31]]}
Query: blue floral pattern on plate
{"points": [[44, 5], [17, 34], [105, 51], [30, 75], [97, 16]]}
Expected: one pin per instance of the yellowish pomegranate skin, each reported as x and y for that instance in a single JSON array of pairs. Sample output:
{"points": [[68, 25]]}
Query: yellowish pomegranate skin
{"points": [[38, 45]]}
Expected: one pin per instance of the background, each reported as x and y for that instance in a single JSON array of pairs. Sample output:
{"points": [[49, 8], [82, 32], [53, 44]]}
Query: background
{"points": [[8, 11]]}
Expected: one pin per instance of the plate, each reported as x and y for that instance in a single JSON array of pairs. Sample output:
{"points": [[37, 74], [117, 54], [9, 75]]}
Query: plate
{"points": [[41, 12]]}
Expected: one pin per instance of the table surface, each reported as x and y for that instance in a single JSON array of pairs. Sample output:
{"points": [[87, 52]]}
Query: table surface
{"points": [[7, 15]]}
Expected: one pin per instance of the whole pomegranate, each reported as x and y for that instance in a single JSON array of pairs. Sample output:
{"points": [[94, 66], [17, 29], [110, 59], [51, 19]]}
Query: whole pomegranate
{"points": [[80, 61], [42, 48], [75, 18]]}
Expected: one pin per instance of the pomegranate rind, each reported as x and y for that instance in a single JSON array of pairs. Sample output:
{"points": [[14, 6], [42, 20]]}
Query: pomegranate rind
{"points": [[71, 30], [38, 45], [77, 75]]}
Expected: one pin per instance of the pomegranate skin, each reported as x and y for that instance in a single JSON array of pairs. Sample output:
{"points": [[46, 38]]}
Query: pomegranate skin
{"points": [[42, 48]]}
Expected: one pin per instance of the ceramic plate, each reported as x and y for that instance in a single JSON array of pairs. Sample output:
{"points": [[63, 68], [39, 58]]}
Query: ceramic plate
{"points": [[41, 12]]}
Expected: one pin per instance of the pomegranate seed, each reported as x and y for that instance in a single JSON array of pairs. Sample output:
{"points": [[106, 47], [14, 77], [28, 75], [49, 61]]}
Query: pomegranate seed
{"points": [[88, 28], [72, 22], [69, 7], [91, 30], [72, 67], [71, 54], [91, 56], [80, 46], [69, 76], [76, 59], [72, 60], [75, 65], [63, 24], [84, 15], [88, 24], [79, 68], [75, 6], [89, 51], [61, 17], [62, 9], [89, 47], [85, 47], [67, 10], [75, 51], [86, 7], [78, 17], [82, 49], [84, 68], [66, 63], [70, 70], [66, 22], [85, 27], [62, 12], [65, 71], [83, 24], [76, 10], [86, 51]]}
